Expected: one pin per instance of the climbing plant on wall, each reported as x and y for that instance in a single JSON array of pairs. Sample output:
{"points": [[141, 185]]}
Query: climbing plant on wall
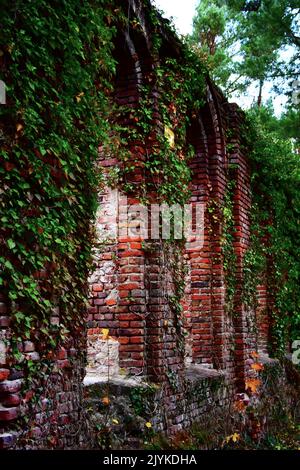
{"points": [[275, 224], [170, 93], [56, 62]]}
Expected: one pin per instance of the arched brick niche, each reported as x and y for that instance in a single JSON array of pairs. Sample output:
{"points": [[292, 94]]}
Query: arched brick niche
{"points": [[212, 331], [117, 287], [262, 318], [216, 158], [198, 298]]}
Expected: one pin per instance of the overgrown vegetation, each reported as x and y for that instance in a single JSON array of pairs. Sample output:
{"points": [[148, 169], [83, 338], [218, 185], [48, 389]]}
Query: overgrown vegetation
{"points": [[275, 218], [246, 43], [241, 43], [56, 62], [171, 93], [267, 417]]}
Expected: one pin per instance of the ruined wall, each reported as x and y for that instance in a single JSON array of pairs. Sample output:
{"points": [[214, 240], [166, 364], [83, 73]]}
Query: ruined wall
{"points": [[135, 285], [44, 412], [137, 297]]}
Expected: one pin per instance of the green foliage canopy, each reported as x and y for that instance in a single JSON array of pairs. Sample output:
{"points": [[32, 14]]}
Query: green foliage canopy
{"points": [[276, 219], [243, 41]]}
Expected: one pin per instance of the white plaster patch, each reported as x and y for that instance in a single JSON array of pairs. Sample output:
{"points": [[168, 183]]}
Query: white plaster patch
{"points": [[2, 348], [106, 217], [103, 356], [100, 275]]}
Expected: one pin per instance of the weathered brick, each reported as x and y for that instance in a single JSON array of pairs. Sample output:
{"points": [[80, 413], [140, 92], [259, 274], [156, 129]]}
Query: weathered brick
{"points": [[61, 354], [11, 400], [4, 321], [28, 346], [4, 373], [7, 440], [10, 386], [8, 414]]}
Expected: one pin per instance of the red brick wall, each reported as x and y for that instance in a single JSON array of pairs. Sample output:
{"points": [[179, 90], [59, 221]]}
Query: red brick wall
{"points": [[52, 406], [133, 299], [132, 284]]}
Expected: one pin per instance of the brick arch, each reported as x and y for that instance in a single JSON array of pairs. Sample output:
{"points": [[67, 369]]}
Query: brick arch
{"points": [[206, 320], [134, 61], [117, 285], [132, 301], [213, 125], [244, 335], [218, 118], [197, 302], [128, 70]]}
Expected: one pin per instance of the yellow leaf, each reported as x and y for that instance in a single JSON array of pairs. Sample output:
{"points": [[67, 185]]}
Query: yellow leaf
{"points": [[148, 425], [170, 136], [79, 96], [257, 366], [239, 406], [19, 127], [252, 384], [115, 421], [105, 401], [105, 333], [234, 437]]}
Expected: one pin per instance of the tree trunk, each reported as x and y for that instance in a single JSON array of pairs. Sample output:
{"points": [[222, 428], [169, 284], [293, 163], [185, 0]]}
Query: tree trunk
{"points": [[259, 99]]}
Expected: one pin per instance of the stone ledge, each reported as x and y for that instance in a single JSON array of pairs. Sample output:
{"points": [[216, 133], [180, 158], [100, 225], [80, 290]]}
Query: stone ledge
{"points": [[193, 373], [197, 372], [133, 402], [116, 380]]}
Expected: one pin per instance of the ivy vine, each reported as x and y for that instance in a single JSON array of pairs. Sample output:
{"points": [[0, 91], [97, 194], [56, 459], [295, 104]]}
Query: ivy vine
{"points": [[56, 61]]}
